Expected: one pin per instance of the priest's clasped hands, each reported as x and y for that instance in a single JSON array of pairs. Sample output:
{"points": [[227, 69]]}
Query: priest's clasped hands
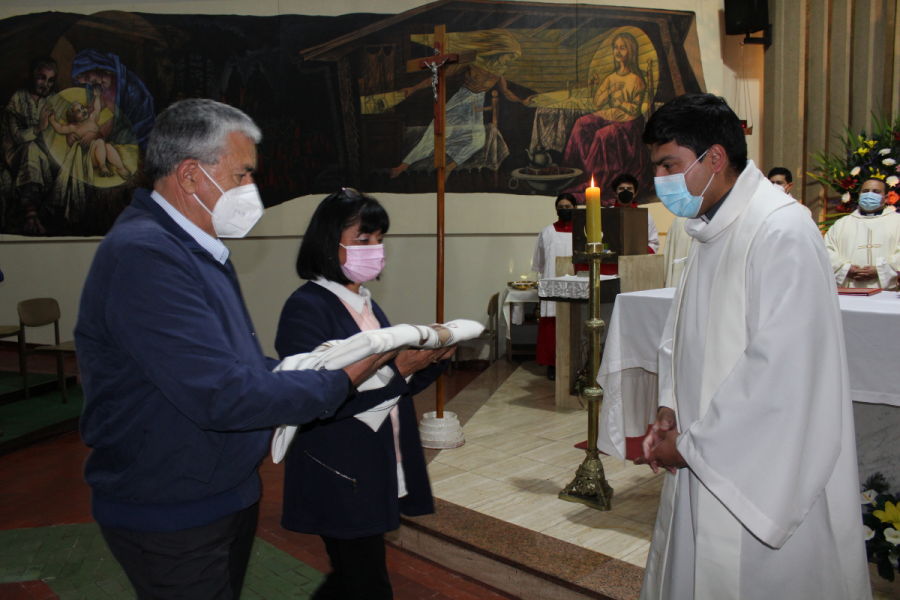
{"points": [[862, 273], [659, 445]]}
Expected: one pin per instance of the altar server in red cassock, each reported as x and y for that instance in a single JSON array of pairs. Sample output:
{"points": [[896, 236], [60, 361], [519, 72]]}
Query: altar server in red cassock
{"points": [[553, 242]]}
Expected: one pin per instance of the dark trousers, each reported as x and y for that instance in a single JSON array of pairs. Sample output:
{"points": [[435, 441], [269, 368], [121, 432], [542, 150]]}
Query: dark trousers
{"points": [[207, 562], [358, 570]]}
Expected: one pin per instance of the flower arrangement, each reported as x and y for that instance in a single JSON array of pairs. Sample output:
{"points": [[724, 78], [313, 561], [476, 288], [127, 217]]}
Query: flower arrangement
{"points": [[881, 525], [863, 157]]}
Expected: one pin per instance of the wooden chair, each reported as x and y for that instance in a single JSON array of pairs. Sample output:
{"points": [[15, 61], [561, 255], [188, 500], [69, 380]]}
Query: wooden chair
{"points": [[493, 327], [39, 312]]}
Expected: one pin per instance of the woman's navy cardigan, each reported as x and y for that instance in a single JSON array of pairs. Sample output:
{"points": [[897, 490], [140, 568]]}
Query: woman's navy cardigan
{"points": [[340, 477]]}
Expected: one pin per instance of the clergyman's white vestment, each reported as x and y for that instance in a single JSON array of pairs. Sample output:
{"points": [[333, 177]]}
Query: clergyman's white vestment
{"points": [[864, 241], [551, 244], [752, 361]]}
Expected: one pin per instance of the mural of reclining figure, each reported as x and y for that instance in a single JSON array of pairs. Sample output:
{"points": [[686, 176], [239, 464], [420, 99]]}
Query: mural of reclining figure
{"points": [[495, 50], [83, 128], [337, 354]]}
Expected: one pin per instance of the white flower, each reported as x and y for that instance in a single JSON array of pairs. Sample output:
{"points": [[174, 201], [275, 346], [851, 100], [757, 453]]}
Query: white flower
{"points": [[868, 496], [889, 162], [868, 533], [892, 535], [884, 152], [845, 198], [892, 180], [855, 171]]}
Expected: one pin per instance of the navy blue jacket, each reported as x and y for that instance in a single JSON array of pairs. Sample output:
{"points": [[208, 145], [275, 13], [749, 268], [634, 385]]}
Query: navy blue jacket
{"points": [[179, 399], [319, 496]]}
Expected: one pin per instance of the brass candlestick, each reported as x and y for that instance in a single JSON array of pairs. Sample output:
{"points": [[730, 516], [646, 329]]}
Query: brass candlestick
{"points": [[590, 486]]}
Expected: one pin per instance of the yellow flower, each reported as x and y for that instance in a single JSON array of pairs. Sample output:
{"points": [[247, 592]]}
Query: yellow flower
{"points": [[863, 150], [871, 143], [890, 514], [879, 175]]}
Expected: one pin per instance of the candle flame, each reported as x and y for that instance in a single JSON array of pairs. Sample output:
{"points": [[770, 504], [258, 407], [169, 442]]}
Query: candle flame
{"points": [[592, 181]]}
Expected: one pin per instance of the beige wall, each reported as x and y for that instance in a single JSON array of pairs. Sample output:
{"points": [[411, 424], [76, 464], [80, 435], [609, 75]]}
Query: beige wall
{"points": [[490, 237]]}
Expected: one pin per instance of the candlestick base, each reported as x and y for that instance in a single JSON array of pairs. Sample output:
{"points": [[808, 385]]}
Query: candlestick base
{"points": [[589, 486]]}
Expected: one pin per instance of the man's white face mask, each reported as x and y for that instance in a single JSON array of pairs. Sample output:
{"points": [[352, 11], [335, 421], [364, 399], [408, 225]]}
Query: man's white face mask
{"points": [[236, 211]]}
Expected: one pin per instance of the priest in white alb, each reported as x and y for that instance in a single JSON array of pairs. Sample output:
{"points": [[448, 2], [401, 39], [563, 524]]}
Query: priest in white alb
{"points": [[755, 426], [864, 246]]}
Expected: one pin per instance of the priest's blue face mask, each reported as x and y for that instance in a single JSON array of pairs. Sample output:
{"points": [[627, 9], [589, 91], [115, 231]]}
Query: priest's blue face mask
{"points": [[672, 190], [869, 201]]}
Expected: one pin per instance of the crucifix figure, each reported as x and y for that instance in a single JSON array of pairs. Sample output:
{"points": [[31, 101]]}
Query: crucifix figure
{"points": [[436, 64]]}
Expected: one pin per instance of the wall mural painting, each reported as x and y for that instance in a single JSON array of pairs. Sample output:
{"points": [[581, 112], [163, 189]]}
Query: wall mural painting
{"points": [[553, 95]]}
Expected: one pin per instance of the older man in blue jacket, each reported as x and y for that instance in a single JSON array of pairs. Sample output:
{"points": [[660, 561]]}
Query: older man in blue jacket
{"points": [[179, 398]]}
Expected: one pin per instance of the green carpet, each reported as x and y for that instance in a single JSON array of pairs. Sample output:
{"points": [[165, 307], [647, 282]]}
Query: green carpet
{"points": [[77, 565], [12, 381], [25, 416]]}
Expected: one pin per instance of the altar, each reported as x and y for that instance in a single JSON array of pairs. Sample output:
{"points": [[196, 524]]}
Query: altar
{"points": [[628, 373]]}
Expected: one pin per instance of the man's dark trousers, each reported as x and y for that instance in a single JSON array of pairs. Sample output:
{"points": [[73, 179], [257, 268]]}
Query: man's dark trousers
{"points": [[206, 562]]}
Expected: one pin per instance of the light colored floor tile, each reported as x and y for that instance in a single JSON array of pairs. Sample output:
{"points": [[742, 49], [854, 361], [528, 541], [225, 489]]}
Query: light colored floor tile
{"points": [[638, 558], [655, 484], [470, 457], [521, 472], [478, 427], [438, 471], [631, 475], [532, 511], [470, 490], [557, 453], [511, 442], [638, 504]]}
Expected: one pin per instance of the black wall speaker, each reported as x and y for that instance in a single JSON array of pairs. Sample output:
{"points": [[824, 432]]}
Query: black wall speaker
{"points": [[746, 16]]}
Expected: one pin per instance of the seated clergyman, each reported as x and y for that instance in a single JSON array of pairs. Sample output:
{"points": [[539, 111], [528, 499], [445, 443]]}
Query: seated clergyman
{"points": [[864, 246]]}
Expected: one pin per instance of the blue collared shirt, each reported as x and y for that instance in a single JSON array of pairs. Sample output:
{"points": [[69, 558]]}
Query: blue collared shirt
{"points": [[212, 245]]}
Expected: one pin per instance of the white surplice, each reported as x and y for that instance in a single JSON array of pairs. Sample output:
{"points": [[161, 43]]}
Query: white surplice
{"points": [[864, 241], [752, 360], [652, 234], [551, 244]]}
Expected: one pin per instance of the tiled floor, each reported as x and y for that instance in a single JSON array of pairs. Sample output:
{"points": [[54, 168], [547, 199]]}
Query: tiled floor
{"points": [[520, 453]]}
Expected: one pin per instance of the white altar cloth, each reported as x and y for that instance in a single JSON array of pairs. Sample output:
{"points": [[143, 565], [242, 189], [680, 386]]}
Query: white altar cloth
{"points": [[510, 296], [629, 367], [573, 287]]}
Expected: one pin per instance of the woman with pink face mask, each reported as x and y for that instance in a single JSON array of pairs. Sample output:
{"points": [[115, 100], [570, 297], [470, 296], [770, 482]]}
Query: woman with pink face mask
{"points": [[343, 481]]}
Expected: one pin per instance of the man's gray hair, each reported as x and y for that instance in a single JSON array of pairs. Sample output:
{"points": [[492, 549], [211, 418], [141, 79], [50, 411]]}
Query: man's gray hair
{"points": [[194, 129]]}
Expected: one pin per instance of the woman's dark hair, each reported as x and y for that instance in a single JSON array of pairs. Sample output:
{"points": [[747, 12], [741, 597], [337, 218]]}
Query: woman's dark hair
{"points": [[624, 178], [318, 255], [698, 121], [566, 196]]}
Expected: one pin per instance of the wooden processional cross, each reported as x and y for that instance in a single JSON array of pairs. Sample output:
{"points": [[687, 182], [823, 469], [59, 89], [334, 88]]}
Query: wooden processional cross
{"points": [[436, 64]]}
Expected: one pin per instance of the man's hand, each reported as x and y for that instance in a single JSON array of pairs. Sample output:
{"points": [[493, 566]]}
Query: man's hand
{"points": [[44, 119], [862, 273], [659, 445], [413, 361], [360, 371]]}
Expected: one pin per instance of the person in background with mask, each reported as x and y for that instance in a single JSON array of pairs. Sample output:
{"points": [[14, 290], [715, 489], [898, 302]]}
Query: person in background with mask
{"points": [[864, 246], [781, 177], [342, 480], [625, 188], [755, 420], [179, 399], [553, 241]]}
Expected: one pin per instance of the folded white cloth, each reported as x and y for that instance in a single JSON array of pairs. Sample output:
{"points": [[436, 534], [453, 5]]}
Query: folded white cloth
{"points": [[337, 354]]}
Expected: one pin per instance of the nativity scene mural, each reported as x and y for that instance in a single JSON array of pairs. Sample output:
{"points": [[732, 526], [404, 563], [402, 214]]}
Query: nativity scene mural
{"points": [[547, 97]]}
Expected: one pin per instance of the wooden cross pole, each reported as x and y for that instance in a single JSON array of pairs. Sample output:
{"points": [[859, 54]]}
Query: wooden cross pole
{"points": [[436, 65]]}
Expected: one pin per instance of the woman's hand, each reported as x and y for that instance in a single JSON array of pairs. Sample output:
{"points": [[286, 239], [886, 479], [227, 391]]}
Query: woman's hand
{"points": [[413, 361], [360, 371]]}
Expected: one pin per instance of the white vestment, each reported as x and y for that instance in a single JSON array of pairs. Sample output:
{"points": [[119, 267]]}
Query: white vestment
{"points": [[753, 363], [866, 241], [678, 242], [550, 245]]}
